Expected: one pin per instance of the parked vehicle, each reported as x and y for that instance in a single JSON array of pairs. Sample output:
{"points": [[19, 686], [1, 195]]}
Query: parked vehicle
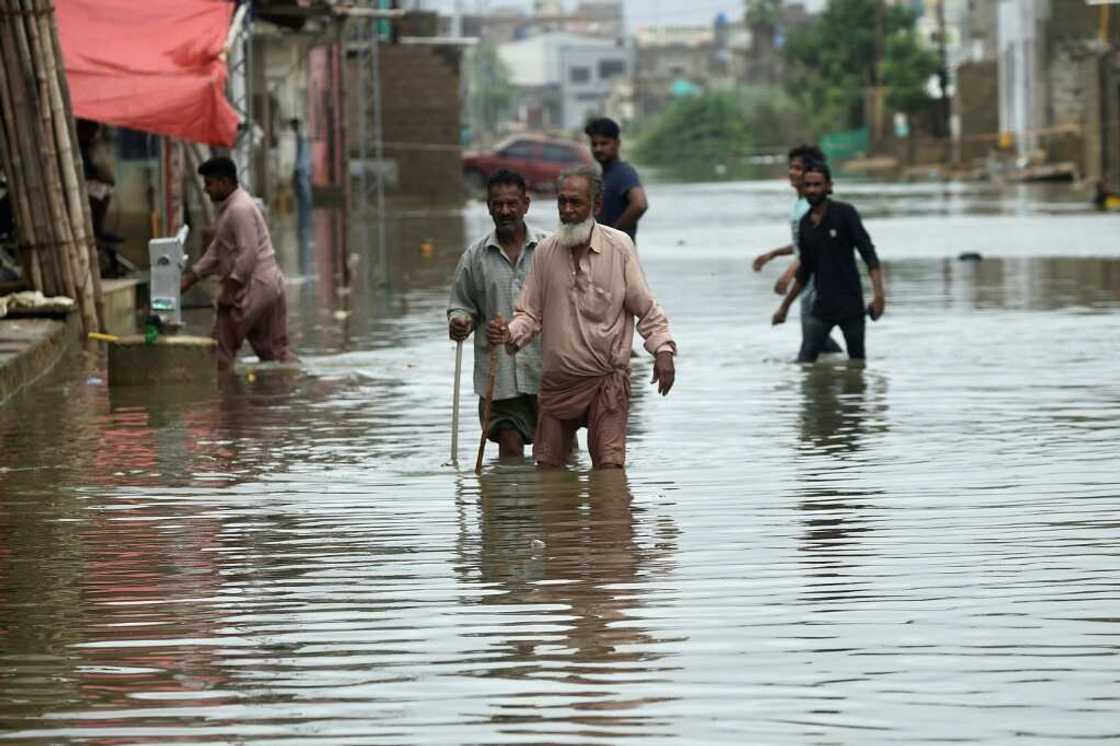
{"points": [[540, 160]]}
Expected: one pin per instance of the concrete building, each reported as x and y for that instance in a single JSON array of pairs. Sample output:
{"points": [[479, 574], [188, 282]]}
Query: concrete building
{"points": [[563, 79]]}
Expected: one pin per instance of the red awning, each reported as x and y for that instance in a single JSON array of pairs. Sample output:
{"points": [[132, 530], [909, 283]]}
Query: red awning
{"points": [[152, 66]]}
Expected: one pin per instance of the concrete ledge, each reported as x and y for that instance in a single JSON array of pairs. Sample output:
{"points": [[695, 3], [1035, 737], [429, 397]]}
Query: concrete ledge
{"points": [[172, 359], [29, 348]]}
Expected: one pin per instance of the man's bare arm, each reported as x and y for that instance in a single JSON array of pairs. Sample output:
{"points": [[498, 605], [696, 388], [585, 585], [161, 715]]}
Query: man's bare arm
{"points": [[636, 206], [762, 259], [783, 310], [879, 300]]}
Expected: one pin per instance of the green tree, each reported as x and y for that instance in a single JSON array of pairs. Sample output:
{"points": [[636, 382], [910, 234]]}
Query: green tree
{"points": [[722, 129], [833, 60], [762, 13], [490, 91], [907, 69]]}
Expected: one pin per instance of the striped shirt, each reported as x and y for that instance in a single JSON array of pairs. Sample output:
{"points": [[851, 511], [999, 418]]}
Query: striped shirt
{"points": [[486, 284]]}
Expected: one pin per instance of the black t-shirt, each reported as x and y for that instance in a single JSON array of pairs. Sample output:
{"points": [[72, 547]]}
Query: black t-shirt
{"points": [[827, 257], [619, 177]]}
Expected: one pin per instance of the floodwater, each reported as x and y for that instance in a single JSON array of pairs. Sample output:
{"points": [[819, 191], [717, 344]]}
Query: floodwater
{"points": [[922, 550]]}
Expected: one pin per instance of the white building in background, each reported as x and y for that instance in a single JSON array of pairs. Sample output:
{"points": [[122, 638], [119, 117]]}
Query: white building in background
{"points": [[564, 79]]}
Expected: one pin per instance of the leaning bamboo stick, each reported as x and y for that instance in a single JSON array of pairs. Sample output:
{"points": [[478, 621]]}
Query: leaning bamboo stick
{"points": [[74, 191], [13, 152], [78, 170], [40, 103], [27, 185]]}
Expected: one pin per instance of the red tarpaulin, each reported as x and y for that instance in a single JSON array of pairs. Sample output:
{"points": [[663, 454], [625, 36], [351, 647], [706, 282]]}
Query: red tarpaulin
{"points": [[152, 66]]}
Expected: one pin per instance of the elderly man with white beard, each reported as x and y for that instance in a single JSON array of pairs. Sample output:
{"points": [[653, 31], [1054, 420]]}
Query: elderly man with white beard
{"points": [[582, 296]]}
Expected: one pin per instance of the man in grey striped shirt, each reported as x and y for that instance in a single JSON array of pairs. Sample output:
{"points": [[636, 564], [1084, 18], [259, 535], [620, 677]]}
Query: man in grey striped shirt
{"points": [[487, 281]]}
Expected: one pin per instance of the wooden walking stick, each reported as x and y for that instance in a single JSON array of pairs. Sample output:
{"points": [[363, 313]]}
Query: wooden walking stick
{"points": [[486, 409], [455, 403]]}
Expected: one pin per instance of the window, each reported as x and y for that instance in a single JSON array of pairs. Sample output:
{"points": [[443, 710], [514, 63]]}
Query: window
{"points": [[558, 154], [520, 149], [579, 75], [611, 68]]}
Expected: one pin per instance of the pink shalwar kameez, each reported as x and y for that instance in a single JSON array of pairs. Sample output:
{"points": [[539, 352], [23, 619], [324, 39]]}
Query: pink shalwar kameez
{"points": [[253, 306]]}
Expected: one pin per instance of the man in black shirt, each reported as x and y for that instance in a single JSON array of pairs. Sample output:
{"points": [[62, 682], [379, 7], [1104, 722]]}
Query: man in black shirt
{"points": [[828, 234]]}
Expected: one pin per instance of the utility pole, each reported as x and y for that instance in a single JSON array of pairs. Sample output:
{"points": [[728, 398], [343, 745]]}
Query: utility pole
{"points": [[944, 111]]}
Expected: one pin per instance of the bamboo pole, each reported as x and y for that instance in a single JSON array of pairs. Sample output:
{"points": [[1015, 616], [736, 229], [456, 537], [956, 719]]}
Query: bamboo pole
{"points": [[64, 134], [60, 222], [12, 154], [24, 182]]}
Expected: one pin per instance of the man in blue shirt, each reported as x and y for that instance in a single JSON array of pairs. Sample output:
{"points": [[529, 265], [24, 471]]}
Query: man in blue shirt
{"points": [[624, 199]]}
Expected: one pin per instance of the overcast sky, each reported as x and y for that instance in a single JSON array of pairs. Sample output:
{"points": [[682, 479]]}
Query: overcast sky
{"points": [[638, 12]]}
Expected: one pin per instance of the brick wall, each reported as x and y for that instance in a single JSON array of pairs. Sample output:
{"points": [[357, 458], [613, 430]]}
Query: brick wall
{"points": [[420, 120]]}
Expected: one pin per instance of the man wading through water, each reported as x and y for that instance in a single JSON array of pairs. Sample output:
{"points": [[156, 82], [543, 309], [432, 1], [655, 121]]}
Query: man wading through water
{"points": [[252, 304], [828, 235], [799, 157], [490, 275], [582, 296]]}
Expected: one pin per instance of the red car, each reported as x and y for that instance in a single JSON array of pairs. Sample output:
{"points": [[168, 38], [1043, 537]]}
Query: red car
{"points": [[540, 160]]}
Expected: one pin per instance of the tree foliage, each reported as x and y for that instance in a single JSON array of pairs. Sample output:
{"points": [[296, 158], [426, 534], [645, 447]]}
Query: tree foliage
{"points": [[762, 13], [907, 69], [853, 45], [722, 128], [491, 94]]}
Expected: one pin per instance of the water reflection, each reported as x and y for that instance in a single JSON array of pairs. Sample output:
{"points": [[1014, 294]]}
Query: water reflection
{"points": [[568, 558], [843, 407]]}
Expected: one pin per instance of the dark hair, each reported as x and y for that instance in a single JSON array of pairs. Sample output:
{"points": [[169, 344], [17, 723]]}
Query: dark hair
{"points": [[219, 167], [820, 167], [505, 177], [603, 127], [807, 154]]}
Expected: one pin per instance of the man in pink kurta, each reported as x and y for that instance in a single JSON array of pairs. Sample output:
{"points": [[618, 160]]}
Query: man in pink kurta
{"points": [[582, 295], [252, 303]]}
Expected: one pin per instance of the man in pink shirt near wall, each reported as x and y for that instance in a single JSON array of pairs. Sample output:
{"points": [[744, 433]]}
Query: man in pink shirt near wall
{"points": [[582, 295], [252, 304]]}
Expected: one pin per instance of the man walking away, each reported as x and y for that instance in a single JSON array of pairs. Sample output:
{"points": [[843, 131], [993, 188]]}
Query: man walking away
{"points": [[252, 304], [828, 234], [490, 275], [582, 297], [799, 157], [624, 199]]}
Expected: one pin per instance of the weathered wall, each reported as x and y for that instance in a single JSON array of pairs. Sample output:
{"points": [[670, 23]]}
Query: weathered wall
{"points": [[420, 120], [977, 104]]}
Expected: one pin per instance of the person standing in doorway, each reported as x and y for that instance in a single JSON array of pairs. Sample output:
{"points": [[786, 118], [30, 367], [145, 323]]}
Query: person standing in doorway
{"points": [[799, 157], [489, 277], [252, 304], [624, 200], [584, 296], [828, 235], [301, 185]]}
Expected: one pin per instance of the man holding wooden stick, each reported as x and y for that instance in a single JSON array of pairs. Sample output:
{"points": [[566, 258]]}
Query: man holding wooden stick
{"points": [[252, 304], [582, 297], [490, 275]]}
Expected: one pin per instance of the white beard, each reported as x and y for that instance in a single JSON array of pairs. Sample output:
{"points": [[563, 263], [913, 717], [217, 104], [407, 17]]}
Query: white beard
{"points": [[570, 235]]}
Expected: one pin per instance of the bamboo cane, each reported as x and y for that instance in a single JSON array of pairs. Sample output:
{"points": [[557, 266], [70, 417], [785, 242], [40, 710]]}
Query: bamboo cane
{"points": [[27, 188], [489, 404], [455, 402], [77, 201], [63, 232], [36, 177], [12, 153]]}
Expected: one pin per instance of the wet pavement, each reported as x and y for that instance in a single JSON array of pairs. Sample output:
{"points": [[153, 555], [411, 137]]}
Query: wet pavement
{"points": [[922, 550]]}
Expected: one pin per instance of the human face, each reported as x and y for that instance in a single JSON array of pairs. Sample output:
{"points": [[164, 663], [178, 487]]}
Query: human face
{"points": [[605, 149], [815, 187], [574, 200], [507, 205], [796, 172], [217, 187]]}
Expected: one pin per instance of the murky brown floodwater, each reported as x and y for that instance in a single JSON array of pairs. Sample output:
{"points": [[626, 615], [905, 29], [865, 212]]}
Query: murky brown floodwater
{"points": [[925, 550]]}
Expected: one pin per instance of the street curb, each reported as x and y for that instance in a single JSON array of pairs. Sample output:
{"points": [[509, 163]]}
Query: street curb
{"points": [[33, 347]]}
